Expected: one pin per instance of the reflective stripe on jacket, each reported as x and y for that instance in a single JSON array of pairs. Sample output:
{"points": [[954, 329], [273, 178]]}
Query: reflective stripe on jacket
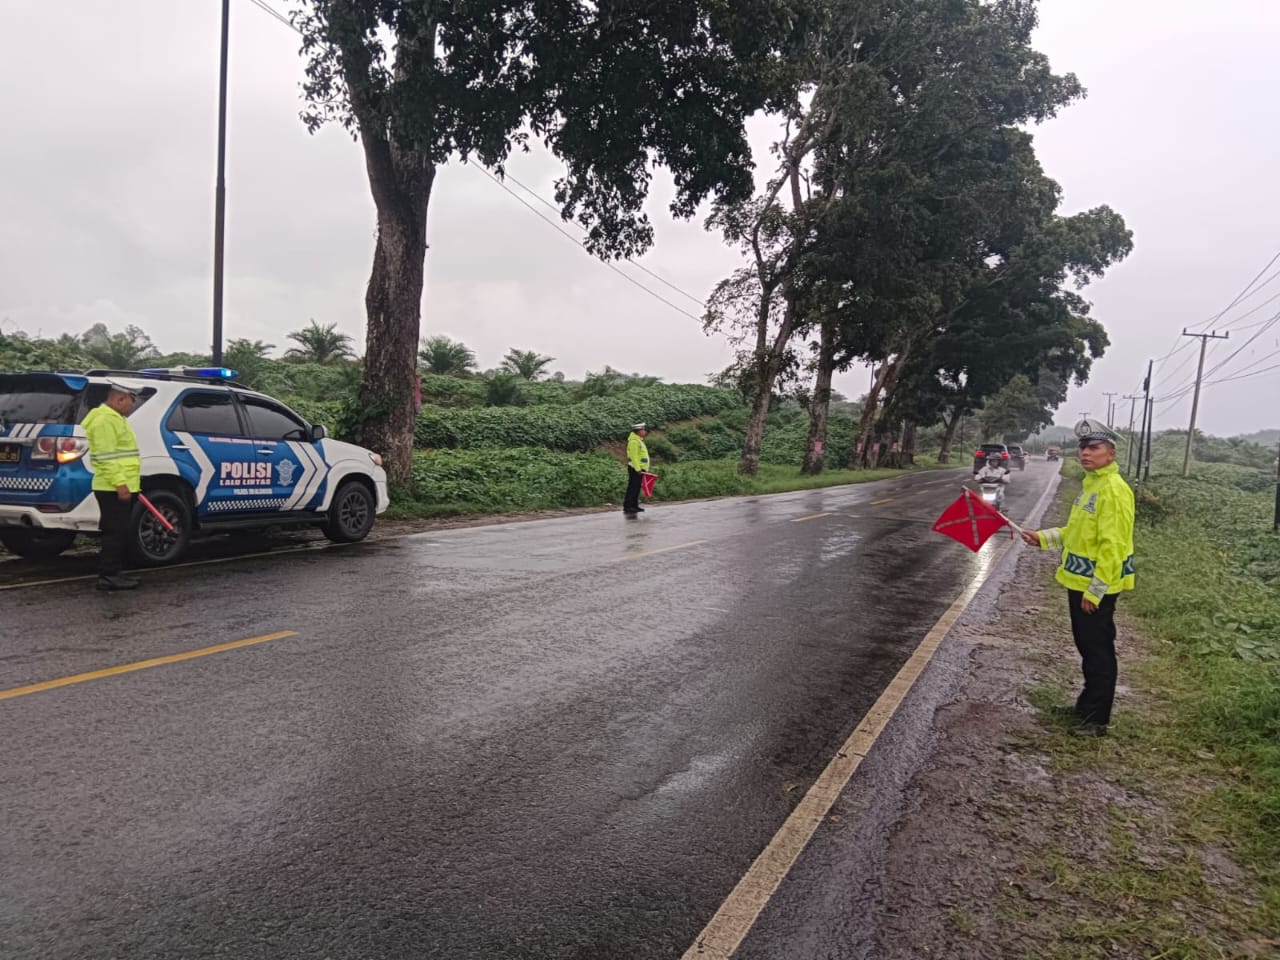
{"points": [[113, 450], [1097, 542], [637, 453]]}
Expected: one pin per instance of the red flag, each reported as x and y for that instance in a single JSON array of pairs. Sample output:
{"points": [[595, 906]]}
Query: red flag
{"points": [[970, 521], [647, 480]]}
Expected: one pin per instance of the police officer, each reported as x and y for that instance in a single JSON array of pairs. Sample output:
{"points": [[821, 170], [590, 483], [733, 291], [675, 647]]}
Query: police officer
{"points": [[1096, 567], [637, 464], [117, 477]]}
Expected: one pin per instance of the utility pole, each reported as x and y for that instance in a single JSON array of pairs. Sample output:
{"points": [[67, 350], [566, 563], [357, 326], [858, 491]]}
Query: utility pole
{"points": [[1142, 434], [1133, 409], [1110, 407], [220, 190], [1195, 402], [1275, 526]]}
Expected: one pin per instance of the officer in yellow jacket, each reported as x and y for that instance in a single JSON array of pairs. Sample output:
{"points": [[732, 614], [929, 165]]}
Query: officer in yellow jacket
{"points": [[637, 464], [117, 477], [1096, 547]]}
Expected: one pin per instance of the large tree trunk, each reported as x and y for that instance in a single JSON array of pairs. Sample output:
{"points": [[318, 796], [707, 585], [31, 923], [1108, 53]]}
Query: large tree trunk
{"points": [[820, 408], [401, 182], [886, 379], [949, 436], [768, 367], [909, 444]]}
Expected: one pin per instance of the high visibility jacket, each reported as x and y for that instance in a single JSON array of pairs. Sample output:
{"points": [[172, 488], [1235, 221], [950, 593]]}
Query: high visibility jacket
{"points": [[113, 450], [637, 453], [1097, 542]]}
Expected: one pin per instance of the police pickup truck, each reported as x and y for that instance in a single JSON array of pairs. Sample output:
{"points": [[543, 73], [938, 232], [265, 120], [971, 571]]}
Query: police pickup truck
{"points": [[216, 458]]}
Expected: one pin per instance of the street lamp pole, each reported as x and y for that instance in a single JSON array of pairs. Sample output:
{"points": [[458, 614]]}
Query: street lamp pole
{"points": [[220, 191]]}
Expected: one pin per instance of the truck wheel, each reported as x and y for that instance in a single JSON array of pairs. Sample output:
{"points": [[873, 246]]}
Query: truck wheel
{"points": [[150, 543], [351, 513], [36, 544]]}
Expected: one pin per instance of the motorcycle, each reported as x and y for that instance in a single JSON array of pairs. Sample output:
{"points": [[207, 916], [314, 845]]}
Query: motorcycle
{"points": [[993, 494]]}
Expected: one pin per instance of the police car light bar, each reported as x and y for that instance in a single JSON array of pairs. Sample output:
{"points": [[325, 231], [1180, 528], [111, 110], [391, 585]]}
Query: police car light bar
{"points": [[208, 373]]}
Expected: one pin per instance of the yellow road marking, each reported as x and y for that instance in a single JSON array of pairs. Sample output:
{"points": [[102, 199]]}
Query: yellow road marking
{"points": [[812, 516], [876, 503], [737, 915], [652, 553], [141, 665]]}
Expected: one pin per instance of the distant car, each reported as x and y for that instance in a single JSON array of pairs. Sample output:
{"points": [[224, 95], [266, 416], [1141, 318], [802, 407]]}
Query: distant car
{"points": [[986, 451], [1053, 453], [216, 457], [1018, 456]]}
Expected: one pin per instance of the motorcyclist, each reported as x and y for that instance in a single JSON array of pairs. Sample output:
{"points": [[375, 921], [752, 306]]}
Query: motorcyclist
{"points": [[994, 471]]}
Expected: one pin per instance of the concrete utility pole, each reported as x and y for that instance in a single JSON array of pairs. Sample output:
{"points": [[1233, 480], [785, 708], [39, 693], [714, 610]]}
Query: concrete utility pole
{"points": [[1195, 402], [1143, 440], [1111, 408], [1275, 526], [220, 189], [1133, 409]]}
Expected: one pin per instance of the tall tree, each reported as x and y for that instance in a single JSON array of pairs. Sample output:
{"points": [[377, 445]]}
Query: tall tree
{"points": [[881, 170], [319, 344], [611, 87], [445, 357], [249, 359], [528, 364], [117, 351]]}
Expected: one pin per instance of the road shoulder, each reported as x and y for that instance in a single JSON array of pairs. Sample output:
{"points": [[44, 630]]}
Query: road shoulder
{"points": [[1019, 841]]}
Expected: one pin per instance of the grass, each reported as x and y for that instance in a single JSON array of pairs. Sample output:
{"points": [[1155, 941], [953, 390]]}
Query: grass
{"points": [[503, 481], [1200, 737]]}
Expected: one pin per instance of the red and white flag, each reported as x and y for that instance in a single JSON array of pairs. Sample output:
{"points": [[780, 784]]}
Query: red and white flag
{"points": [[970, 521]]}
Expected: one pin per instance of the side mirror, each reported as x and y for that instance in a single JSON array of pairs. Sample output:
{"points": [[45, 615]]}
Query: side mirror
{"points": [[318, 432]]}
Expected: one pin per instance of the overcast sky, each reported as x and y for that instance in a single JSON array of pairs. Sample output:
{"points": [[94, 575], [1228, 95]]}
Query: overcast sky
{"points": [[107, 171]]}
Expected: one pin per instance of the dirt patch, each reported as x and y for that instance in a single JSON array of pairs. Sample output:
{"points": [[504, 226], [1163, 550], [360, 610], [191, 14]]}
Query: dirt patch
{"points": [[1019, 841]]}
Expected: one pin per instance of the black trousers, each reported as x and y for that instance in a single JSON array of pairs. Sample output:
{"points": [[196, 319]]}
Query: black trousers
{"points": [[1095, 636], [631, 501], [114, 515]]}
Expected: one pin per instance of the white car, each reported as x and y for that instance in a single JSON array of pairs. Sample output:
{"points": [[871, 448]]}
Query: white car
{"points": [[216, 457]]}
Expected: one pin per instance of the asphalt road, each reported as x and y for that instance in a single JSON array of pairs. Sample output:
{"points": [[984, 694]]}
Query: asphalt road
{"points": [[559, 739]]}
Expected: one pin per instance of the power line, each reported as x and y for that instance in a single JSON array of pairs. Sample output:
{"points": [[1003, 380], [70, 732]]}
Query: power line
{"points": [[1247, 375], [273, 12], [559, 229], [1240, 349], [547, 203], [1181, 344], [1184, 390]]}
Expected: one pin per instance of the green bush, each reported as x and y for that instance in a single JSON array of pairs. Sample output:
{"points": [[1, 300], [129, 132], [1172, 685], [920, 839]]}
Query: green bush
{"points": [[530, 478], [577, 427], [661, 451], [314, 411], [786, 439], [442, 391], [549, 392]]}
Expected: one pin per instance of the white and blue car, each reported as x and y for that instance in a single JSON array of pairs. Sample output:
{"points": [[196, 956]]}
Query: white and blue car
{"points": [[216, 458]]}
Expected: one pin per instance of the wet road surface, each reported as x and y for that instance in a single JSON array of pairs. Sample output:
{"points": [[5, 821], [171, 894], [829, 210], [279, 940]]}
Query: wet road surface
{"points": [[559, 739]]}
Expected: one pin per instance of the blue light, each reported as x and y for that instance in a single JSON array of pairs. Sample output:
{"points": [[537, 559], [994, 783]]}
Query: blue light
{"points": [[208, 373]]}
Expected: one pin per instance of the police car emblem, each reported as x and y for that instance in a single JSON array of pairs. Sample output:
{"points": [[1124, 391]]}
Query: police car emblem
{"points": [[286, 468]]}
